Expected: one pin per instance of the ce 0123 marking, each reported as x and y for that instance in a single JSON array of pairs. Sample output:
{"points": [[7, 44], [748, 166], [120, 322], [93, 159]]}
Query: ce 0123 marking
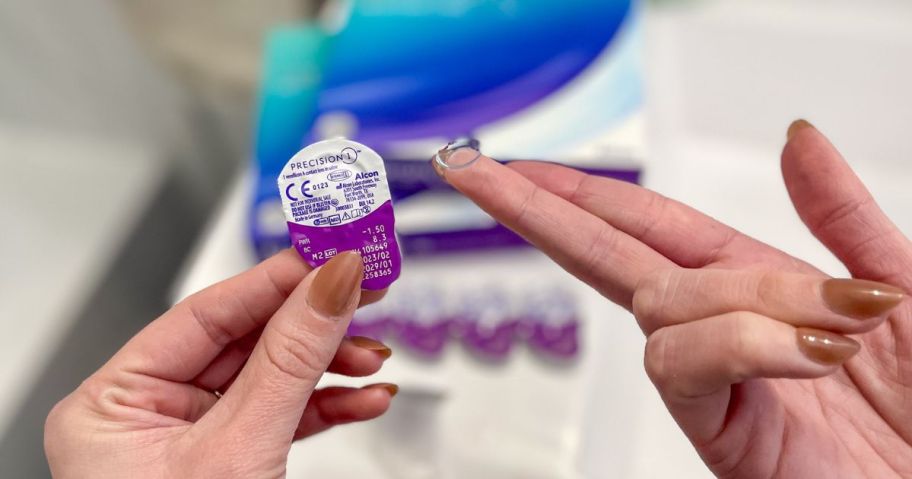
{"points": [[305, 190]]}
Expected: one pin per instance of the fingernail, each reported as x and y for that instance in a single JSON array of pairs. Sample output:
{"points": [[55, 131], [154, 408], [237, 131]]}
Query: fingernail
{"points": [[797, 126], [859, 298], [391, 388], [336, 284], [372, 345], [826, 347]]}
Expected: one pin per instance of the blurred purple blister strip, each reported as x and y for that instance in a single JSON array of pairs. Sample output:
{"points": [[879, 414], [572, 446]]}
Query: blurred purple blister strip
{"points": [[489, 322]]}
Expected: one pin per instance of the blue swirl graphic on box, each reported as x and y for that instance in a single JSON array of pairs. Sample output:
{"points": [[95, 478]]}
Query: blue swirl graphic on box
{"points": [[409, 69]]}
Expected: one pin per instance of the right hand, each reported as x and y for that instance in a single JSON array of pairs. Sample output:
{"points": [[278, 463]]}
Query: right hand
{"points": [[263, 340], [728, 317]]}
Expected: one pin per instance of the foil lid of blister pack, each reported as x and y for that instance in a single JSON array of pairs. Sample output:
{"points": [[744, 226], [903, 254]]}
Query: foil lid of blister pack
{"points": [[335, 198]]}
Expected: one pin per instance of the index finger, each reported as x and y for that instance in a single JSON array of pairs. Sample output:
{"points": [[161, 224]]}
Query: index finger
{"points": [[673, 229], [606, 258], [181, 343]]}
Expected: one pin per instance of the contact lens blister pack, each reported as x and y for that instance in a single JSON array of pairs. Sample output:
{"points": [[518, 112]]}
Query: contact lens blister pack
{"points": [[335, 198]]}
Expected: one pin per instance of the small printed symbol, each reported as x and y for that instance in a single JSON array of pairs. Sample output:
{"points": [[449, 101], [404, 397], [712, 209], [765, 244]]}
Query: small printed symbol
{"points": [[335, 219], [349, 155], [357, 213], [334, 202], [330, 252], [346, 216], [305, 189], [366, 209], [321, 221], [288, 192]]}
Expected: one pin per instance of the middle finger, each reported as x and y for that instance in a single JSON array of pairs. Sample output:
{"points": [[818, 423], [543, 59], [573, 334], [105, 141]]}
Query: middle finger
{"points": [[357, 356], [847, 306]]}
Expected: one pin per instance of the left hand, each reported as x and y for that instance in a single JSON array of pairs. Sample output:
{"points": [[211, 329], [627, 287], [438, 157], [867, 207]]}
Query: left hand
{"points": [[724, 313], [263, 339]]}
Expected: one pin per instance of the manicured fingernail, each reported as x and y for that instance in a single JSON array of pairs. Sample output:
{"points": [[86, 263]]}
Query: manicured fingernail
{"points": [[391, 388], [336, 284], [826, 347], [859, 298], [797, 126], [372, 345]]}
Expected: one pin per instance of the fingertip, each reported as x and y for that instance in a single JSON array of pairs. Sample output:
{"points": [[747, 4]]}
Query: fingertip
{"points": [[372, 345], [825, 347], [369, 296], [797, 137], [390, 388], [859, 298], [797, 126], [356, 360], [381, 397]]}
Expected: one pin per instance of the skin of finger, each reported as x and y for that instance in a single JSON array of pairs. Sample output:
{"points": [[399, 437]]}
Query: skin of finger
{"points": [[694, 365], [351, 360], [227, 364], [587, 247], [337, 405], [181, 343], [675, 296], [184, 341], [274, 386], [233, 357], [840, 211], [137, 392], [682, 234]]}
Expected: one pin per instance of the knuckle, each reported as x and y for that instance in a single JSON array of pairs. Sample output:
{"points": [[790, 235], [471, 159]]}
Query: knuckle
{"points": [[295, 353], [651, 294], [743, 331], [594, 258], [767, 287]]}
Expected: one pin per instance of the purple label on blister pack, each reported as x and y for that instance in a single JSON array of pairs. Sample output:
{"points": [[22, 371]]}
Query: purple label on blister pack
{"points": [[335, 198], [368, 235]]}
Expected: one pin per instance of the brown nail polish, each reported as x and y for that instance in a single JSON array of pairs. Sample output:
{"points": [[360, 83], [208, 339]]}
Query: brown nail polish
{"points": [[336, 283], [797, 126], [826, 347], [372, 345], [392, 389], [858, 298]]}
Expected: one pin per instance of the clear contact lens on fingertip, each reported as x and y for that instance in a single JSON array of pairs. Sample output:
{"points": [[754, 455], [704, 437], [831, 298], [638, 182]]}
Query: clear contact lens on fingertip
{"points": [[459, 153]]}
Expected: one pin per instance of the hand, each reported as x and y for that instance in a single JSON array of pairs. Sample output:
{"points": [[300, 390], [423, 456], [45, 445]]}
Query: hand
{"points": [[732, 323], [263, 338]]}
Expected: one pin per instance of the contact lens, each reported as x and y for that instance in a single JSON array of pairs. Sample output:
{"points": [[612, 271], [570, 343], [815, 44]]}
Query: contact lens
{"points": [[458, 154]]}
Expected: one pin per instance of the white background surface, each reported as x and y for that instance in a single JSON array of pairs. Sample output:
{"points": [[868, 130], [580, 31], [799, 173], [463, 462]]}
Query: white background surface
{"points": [[53, 253]]}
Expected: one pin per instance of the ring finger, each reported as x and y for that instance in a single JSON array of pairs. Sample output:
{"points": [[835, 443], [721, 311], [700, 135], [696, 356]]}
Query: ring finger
{"points": [[678, 295]]}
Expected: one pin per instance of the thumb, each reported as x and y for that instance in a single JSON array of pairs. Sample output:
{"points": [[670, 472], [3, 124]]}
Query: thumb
{"points": [[840, 211], [267, 400]]}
